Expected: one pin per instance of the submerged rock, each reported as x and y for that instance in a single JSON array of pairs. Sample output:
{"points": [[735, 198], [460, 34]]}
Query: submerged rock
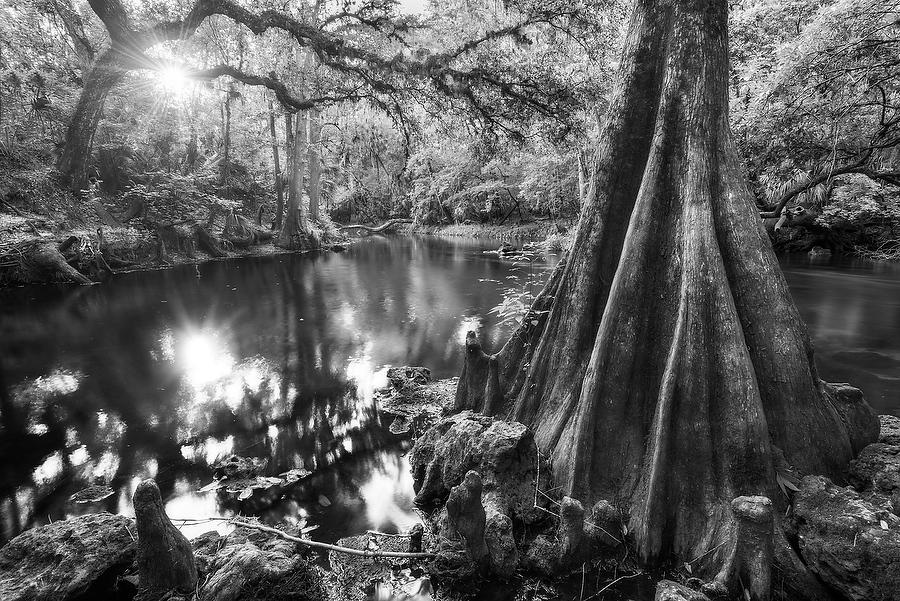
{"points": [[404, 377], [238, 468], [78, 558], [852, 545]]}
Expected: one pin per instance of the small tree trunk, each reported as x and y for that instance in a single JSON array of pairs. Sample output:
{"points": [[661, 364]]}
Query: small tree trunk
{"points": [[315, 164], [73, 159], [279, 191], [226, 161]]}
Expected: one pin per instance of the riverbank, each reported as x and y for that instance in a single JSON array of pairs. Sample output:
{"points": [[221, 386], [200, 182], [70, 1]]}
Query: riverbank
{"points": [[36, 249], [551, 234]]}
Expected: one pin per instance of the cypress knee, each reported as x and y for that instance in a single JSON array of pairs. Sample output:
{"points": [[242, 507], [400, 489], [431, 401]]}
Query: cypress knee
{"points": [[468, 517], [165, 558]]}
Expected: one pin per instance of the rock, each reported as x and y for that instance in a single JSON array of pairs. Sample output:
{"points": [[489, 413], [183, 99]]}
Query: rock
{"points": [[877, 468], [404, 377], [503, 453], [78, 558], [238, 468], [252, 567], [415, 405], [890, 429], [667, 590], [165, 558], [847, 542], [861, 420]]}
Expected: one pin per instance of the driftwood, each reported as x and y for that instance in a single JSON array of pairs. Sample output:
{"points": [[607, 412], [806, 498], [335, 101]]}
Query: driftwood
{"points": [[377, 229], [415, 539]]}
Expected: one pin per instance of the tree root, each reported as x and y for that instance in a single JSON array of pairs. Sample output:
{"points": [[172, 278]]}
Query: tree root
{"points": [[43, 261], [207, 242], [242, 233]]}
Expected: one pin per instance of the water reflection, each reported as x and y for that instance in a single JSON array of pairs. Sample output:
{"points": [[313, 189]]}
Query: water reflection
{"points": [[852, 308], [161, 374]]}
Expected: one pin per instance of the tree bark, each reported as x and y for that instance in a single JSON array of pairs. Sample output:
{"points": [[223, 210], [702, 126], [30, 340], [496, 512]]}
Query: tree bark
{"points": [[665, 364], [73, 159]]}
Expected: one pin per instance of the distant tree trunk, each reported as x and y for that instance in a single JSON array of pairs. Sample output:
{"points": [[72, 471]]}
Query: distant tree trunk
{"points": [[279, 191], [226, 161], [73, 159], [315, 165], [665, 367], [293, 229], [190, 156]]}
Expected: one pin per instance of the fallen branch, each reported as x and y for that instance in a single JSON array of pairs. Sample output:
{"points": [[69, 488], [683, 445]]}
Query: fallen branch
{"points": [[376, 230], [319, 545]]}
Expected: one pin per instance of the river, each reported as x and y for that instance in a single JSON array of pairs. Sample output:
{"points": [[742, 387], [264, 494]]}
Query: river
{"points": [[159, 374]]}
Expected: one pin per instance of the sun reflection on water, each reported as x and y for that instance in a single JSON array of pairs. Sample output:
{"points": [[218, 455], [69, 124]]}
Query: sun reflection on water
{"points": [[203, 357], [387, 504]]}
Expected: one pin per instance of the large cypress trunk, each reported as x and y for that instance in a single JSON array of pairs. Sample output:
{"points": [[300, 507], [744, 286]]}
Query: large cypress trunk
{"points": [[665, 367], [73, 159]]}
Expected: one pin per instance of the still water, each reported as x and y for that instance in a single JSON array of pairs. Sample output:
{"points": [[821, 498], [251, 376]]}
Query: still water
{"points": [[160, 374]]}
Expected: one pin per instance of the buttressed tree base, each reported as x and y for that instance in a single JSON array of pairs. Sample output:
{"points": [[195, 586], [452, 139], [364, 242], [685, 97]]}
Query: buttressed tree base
{"points": [[664, 367]]}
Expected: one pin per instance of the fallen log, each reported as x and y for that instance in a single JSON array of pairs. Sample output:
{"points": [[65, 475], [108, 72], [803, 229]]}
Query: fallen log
{"points": [[377, 229]]}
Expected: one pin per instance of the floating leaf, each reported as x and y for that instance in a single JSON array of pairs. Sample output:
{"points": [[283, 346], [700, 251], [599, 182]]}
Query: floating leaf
{"points": [[884, 525], [246, 493], [211, 486], [324, 501], [688, 567], [293, 475], [92, 494]]}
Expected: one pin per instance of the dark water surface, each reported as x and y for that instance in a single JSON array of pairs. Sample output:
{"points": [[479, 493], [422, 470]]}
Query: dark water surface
{"points": [[160, 374]]}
